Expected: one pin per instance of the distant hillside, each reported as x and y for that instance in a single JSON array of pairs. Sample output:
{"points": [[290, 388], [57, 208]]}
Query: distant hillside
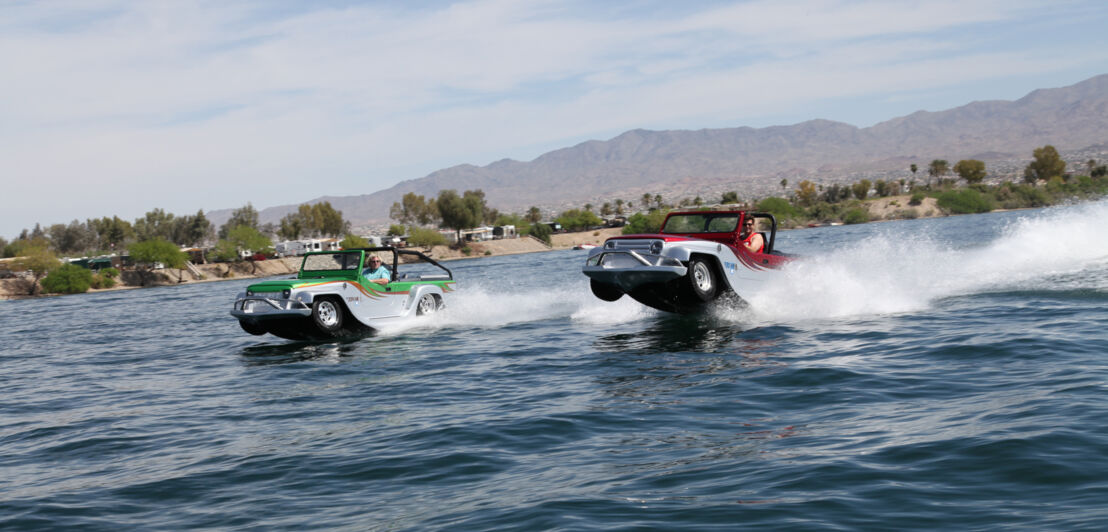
{"points": [[753, 161]]}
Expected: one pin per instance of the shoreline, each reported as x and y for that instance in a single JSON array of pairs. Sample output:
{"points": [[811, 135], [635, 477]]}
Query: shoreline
{"points": [[15, 289], [880, 210]]}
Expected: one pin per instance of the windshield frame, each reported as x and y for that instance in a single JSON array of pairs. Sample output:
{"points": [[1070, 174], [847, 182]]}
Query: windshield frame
{"points": [[328, 261], [710, 223]]}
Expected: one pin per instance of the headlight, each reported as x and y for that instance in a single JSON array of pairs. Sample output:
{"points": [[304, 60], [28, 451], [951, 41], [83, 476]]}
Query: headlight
{"points": [[286, 293], [249, 292], [656, 247]]}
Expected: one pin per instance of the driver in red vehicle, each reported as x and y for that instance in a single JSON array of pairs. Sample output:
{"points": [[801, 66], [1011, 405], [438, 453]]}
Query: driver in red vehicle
{"points": [[751, 239], [375, 272]]}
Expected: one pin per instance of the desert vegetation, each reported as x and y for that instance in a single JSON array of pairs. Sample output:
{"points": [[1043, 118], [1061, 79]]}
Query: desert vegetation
{"points": [[158, 236], [957, 189]]}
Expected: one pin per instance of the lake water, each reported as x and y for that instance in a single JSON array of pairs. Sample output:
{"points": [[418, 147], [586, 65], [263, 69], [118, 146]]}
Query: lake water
{"points": [[929, 374]]}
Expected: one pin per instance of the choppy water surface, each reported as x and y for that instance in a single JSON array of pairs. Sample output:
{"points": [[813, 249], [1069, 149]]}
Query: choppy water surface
{"points": [[945, 373]]}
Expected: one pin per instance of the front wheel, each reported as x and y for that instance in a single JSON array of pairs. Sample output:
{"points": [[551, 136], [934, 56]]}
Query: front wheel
{"points": [[252, 327], [605, 291], [327, 315], [702, 280]]}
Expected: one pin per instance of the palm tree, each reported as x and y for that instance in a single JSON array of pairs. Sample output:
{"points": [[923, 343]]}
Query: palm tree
{"points": [[534, 215], [938, 168]]}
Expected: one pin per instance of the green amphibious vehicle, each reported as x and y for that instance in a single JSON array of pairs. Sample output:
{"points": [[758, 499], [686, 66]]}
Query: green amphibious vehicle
{"points": [[331, 297]]}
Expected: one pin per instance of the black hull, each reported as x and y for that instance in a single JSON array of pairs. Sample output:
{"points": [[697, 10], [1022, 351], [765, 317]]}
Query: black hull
{"points": [[304, 329], [675, 296]]}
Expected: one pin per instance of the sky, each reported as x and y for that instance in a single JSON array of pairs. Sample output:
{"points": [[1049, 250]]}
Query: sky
{"points": [[114, 108]]}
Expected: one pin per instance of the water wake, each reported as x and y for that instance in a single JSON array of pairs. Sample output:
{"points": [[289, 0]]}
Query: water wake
{"points": [[486, 306], [898, 271], [908, 271]]}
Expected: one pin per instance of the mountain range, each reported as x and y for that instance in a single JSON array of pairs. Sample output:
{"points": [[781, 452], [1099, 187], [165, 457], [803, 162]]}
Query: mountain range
{"points": [[753, 161]]}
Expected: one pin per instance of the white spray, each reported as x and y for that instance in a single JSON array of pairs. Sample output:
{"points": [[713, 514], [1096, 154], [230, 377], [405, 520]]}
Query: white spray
{"points": [[885, 273], [893, 273]]}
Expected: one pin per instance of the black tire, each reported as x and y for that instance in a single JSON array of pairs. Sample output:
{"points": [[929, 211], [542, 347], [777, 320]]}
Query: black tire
{"points": [[605, 291], [327, 314], [701, 280], [252, 327], [428, 304]]}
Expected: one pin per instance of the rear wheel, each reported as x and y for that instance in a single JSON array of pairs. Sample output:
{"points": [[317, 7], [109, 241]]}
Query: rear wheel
{"points": [[327, 315], [605, 291], [428, 304], [702, 280]]}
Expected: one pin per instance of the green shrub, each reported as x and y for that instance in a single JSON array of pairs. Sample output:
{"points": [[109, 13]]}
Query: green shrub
{"points": [[1056, 186], [823, 211], [578, 220], [353, 241], [1031, 196], [917, 198], [101, 281], [640, 223], [68, 279], [964, 201], [160, 250], [424, 237], [541, 231], [1085, 184], [856, 216], [780, 208]]}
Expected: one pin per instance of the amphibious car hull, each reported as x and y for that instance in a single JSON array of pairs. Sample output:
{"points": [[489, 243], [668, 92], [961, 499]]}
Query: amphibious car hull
{"points": [[676, 274], [333, 298]]}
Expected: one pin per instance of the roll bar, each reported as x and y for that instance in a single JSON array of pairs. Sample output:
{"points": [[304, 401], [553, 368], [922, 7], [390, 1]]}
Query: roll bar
{"points": [[772, 230], [396, 252]]}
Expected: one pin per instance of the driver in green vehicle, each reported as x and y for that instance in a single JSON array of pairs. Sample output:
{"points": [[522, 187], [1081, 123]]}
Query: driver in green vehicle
{"points": [[375, 272]]}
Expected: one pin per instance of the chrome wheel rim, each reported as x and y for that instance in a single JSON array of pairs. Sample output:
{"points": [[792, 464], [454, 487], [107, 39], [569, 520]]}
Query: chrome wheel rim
{"points": [[427, 304], [328, 314], [702, 277]]}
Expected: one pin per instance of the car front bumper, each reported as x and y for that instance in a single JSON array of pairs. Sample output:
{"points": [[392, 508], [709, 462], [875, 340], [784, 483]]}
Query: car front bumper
{"points": [[262, 308], [631, 269]]}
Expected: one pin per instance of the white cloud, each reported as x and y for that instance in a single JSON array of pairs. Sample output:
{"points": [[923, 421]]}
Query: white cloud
{"points": [[241, 102]]}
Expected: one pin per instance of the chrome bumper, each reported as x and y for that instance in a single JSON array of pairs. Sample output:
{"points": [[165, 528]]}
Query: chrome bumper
{"points": [[631, 269], [261, 308]]}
